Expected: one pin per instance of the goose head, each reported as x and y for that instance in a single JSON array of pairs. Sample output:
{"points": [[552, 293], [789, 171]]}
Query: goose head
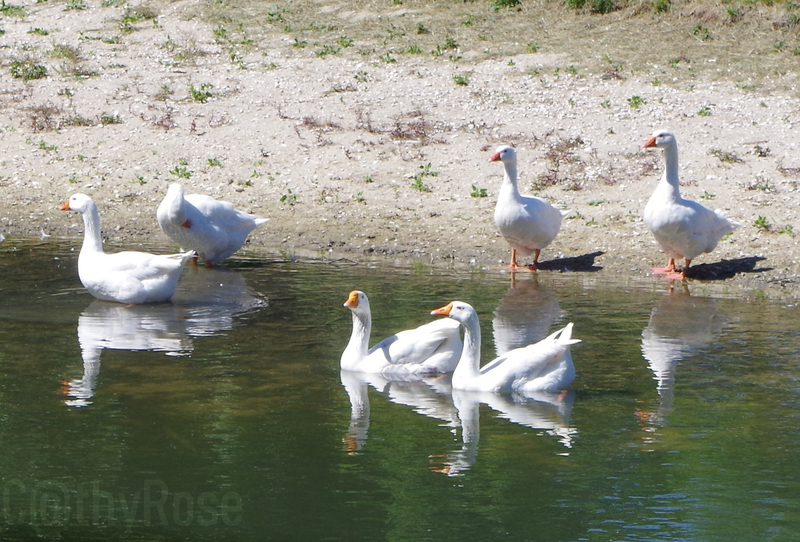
{"points": [[77, 202], [357, 302], [504, 154], [661, 139], [457, 310]]}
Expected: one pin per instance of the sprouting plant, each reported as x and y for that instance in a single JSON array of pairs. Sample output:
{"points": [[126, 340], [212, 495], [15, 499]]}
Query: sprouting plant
{"points": [[725, 156], [707, 195], [182, 172], [450, 43], [289, 197], [662, 6], [327, 50], [10, 10], [596, 202], [788, 230], [214, 162], [344, 41], [761, 152], [605, 104], [163, 92], [701, 32], [762, 223], [361, 76], [635, 102], [46, 147], [414, 49], [110, 118], [299, 43], [424, 171], [705, 111], [39, 31], [387, 58], [461, 79], [421, 29], [505, 4], [478, 192], [140, 180], [75, 5], [359, 198], [27, 71], [532, 47], [202, 94], [67, 52]]}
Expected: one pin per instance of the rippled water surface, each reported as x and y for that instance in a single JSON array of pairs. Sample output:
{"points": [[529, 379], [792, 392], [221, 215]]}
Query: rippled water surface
{"points": [[224, 416]]}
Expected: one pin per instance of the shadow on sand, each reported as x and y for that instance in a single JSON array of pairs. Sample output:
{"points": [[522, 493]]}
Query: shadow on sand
{"points": [[575, 263], [726, 269]]}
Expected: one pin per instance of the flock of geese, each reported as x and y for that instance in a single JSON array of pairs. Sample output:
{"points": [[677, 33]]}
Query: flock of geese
{"points": [[214, 230]]}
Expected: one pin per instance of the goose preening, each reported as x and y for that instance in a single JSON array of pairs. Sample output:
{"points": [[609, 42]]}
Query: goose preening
{"points": [[125, 277], [542, 366], [212, 228], [528, 223], [431, 348], [683, 228]]}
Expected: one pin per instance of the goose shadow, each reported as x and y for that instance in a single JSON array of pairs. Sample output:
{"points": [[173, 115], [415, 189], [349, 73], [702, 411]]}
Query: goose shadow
{"points": [[584, 263], [726, 269]]}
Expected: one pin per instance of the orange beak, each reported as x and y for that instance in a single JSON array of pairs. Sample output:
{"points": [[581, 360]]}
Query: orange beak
{"points": [[64, 206], [650, 143], [352, 300], [495, 157], [443, 311]]}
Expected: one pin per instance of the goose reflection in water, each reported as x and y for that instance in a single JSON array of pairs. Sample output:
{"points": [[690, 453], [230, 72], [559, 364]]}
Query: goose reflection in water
{"points": [[525, 315], [680, 326], [427, 395], [207, 302], [546, 411]]}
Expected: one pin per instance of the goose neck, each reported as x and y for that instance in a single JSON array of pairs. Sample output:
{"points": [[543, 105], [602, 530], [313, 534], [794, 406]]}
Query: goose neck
{"points": [[510, 177], [671, 165], [358, 347], [469, 363], [91, 235]]}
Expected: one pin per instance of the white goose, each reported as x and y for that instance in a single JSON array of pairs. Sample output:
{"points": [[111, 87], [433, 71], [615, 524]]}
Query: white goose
{"points": [[542, 366], [431, 348], [683, 228], [212, 228], [528, 223], [125, 277]]}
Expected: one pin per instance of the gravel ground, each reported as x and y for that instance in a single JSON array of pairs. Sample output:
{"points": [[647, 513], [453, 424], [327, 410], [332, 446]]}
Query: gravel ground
{"points": [[356, 158]]}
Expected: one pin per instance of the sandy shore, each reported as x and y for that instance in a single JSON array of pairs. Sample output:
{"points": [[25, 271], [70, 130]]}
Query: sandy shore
{"points": [[359, 158]]}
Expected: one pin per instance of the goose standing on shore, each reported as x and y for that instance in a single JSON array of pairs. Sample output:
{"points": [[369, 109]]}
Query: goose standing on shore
{"points": [[125, 277], [212, 228], [528, 223], [683, 228]]}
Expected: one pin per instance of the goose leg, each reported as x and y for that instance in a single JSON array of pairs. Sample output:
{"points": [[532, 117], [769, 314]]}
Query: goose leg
{"points": [[686, 268], [515, 265], [670, 272], [535, 265]]}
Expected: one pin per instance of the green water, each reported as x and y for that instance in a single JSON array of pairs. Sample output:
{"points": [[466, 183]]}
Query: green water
{"points": [[224, 416]]}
